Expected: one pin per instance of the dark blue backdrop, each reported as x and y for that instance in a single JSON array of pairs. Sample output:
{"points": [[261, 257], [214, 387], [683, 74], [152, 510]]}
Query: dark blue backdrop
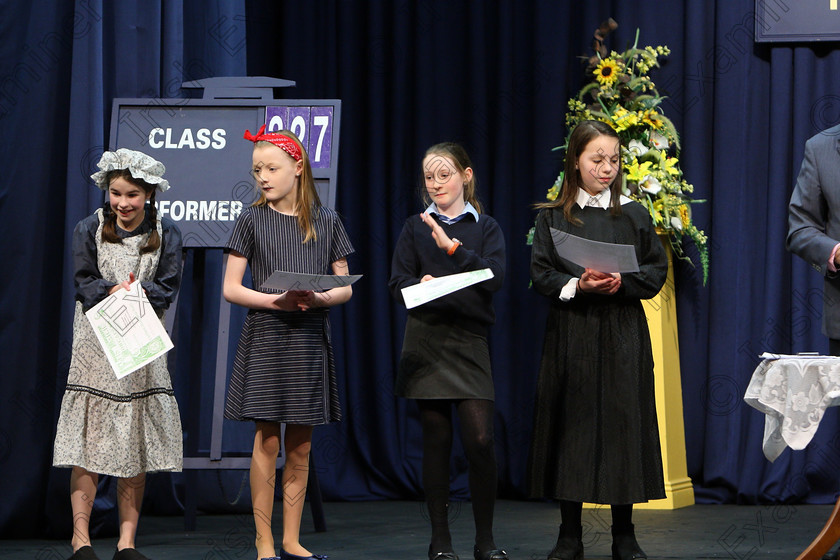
{"points": [[492, 75]]}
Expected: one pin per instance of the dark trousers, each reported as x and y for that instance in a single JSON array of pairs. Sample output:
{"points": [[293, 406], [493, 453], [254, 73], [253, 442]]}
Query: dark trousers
{"points": [[834, 347]]}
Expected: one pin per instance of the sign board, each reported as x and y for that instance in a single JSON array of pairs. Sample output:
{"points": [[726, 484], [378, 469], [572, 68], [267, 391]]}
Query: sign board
{"points": [[797, 20], [208, 162]]}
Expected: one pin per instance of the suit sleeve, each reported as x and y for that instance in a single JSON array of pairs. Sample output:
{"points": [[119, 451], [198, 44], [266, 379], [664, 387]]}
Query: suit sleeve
{"points": [[808, 214]]}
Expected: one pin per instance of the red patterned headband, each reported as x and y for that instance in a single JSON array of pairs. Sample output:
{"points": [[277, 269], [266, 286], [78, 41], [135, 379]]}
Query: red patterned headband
{"points": [[280, 140]]}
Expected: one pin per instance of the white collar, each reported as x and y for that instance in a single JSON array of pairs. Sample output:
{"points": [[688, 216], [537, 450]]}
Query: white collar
{"points": [[468, 208], [601, 200]]}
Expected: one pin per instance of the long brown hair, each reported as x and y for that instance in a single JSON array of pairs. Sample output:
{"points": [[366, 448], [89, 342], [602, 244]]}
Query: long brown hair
{"points": [[583, 133], [307, 200], [459, 157], [109, 225]]}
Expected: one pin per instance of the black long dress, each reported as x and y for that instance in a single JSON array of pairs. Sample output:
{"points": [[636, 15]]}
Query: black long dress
{"points": [[596, 437]]}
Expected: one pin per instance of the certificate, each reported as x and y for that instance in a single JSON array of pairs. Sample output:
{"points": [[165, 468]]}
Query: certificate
{"points": [[603, 257], [425, 292], [280, 280], [128, 329]]}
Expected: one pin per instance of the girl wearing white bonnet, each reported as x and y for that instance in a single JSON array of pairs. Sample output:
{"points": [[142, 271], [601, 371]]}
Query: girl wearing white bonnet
{"points": [[130, 426]]}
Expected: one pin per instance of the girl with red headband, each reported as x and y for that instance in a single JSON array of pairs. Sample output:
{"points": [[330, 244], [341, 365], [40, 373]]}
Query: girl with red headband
{"points": [[453, 371], [284, 370]]}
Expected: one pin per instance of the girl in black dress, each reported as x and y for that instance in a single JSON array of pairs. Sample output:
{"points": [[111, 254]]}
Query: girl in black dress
{"points": [[445, 360], [595, 435]]}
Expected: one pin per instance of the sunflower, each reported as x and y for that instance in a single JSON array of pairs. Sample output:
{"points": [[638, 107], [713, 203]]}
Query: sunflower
{"points": [[606, 73]]}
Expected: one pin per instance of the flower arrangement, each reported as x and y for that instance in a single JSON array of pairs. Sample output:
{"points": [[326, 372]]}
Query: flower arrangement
{"points": [[622, 95]]}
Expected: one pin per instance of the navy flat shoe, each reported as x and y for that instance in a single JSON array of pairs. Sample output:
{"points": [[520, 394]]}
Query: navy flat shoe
{"points": [[286, 556]]}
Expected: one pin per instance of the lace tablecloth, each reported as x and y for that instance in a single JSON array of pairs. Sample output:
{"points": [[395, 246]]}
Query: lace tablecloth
{"points": [[793, 392]]}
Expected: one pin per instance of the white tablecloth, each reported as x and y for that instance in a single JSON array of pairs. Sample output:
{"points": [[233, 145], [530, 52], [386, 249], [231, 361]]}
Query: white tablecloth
{"points": [[793, 392]]}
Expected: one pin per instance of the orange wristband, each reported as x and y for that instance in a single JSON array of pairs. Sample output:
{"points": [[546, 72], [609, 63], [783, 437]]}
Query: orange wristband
{"points": [[455, 245]]}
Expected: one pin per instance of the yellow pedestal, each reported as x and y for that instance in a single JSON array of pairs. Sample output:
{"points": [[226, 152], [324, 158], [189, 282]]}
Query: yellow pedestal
{"points": [[661, 313]]}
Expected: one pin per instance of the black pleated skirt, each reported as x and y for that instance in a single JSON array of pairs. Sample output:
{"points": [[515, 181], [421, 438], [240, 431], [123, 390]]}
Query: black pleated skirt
{"points": [[440, 360], [596, 437]]}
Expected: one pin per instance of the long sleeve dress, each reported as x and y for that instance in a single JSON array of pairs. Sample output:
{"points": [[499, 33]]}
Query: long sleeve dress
{"points": [[119, 427], [596, 437]]}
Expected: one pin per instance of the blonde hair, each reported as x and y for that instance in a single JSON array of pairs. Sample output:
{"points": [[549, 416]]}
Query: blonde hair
{"points": [[458, 155], [307, 200]]}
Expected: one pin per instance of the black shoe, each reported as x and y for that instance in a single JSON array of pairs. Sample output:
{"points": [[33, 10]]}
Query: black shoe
{"points": [[84, 553], [832, 555], [569, 545], [495, 554], [625, 546], [442, 555], [128, 554]]}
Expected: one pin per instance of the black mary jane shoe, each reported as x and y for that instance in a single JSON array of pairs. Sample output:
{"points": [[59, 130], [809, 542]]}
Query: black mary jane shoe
{"points": [[442, 555], [625, 547], [495, 554], [84, 553]]}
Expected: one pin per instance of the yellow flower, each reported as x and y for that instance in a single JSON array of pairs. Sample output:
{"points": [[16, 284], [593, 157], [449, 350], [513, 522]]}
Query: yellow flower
{"points": [[552, 193], [669, 165], [606, 72], [685, 215], [637, 172], [624, 119]]}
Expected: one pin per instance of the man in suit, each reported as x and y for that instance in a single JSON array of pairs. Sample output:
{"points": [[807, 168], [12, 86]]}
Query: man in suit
{"points": [[814, 223], [814, 229]]}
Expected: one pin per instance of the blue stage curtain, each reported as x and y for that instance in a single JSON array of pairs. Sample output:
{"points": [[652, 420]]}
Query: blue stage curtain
{"points": [[494, 76], [55, 107]]}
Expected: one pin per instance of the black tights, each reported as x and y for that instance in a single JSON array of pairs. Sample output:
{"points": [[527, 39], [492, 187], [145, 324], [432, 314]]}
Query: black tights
{"points": [[476, 420], [570, 512]]}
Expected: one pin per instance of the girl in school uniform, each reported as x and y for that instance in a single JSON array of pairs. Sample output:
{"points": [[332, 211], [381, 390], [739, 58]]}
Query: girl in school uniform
{"points": [[445, 361]]}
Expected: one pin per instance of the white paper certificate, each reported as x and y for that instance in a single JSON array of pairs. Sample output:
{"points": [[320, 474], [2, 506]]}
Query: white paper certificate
{"points": [[603, 257], [280, 280], [128, 330], [425, 292]]}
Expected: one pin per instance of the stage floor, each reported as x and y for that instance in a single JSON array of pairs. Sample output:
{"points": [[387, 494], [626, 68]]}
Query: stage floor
{"points": [[527, 530]]}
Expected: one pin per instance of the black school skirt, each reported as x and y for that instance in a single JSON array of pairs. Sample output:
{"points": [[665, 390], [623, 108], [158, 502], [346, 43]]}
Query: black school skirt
{"points": [[440, 360]]}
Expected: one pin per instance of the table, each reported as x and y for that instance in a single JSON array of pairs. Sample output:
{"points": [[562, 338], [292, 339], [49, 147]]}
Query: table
{"points": [[794, 393]]}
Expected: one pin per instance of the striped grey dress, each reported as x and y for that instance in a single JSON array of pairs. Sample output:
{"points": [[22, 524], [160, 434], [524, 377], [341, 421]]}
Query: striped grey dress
{"points": [[284, 369]]}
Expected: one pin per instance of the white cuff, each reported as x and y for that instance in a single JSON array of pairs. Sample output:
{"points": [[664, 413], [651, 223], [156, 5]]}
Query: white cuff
{"points": [[569, 290]]}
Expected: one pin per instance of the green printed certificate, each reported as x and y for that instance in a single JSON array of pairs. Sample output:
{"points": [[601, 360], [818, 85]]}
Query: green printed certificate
{"points": [[128, 330]]}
